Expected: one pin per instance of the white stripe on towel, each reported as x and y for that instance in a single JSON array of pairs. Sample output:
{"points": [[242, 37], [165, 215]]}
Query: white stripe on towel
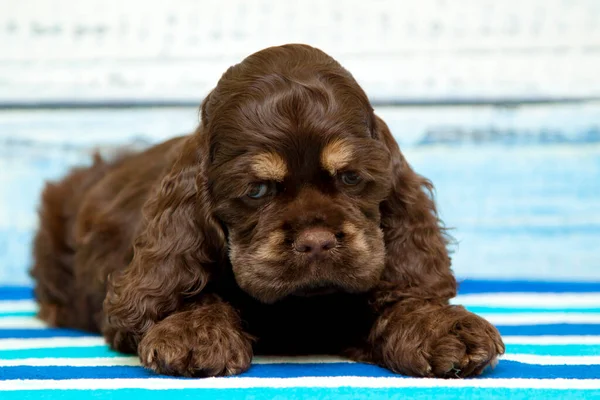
{"points": [[134, 361], [542, 318], [551, 300], [72, 362], [550, 339], [552, 360], [18, 305], [22, 323], [88, 341], [325, 381], [299, 360]]}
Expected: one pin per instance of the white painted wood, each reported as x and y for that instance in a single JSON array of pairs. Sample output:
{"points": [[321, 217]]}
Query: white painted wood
{"points": [[153, 50]]}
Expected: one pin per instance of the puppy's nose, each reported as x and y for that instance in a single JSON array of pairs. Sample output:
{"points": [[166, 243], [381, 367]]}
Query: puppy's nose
{"points": [[315, 241]]}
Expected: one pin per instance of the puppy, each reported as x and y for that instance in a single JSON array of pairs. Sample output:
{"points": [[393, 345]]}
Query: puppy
{"points": [[288, 223]]}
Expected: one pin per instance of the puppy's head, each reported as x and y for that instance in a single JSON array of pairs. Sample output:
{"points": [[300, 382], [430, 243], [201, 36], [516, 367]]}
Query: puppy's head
{"points": [[296, 172]]}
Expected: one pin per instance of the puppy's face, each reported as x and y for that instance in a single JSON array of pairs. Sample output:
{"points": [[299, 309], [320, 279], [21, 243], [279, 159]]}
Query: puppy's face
{"points": [[297, 178]]}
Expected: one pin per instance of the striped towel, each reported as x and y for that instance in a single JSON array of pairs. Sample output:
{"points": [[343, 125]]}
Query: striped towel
{"points": [[551, 331]]}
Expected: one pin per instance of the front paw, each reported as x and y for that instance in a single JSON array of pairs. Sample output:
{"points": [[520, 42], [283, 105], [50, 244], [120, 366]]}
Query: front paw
{"points": [[190, 349], [446, 342]]}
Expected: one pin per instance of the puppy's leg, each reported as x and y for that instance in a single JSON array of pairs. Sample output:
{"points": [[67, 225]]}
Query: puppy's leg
{"points": [[417, 332], [420, 338], [204, 340], [54, 246]]}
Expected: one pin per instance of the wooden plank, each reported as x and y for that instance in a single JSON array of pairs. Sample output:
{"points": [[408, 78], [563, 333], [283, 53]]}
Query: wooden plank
{"points": [[524, 202], [430, 50]]}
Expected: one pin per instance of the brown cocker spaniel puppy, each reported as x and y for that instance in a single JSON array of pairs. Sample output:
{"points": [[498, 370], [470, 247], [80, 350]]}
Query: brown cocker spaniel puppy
{"points": [[288, 223]]}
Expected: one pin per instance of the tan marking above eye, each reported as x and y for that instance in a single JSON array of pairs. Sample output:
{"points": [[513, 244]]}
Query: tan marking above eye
{"points": [[269, 167], [336, 155]]}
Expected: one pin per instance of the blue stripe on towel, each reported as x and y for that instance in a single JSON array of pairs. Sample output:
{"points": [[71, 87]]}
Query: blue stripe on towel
{"points": [[484, 286], [518, 330], [256, 371], [42, 333], [17, 314], [504, 369], [474, 309], [16, 293], [104, 351], [508, 371], [549, 329], [60, 352], [439, 393], [549, 349], [466, 286]]}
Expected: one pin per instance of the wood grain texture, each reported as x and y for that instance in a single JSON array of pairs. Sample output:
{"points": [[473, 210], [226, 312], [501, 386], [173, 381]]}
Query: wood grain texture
{"points": [[521, 186], [427, 50]]}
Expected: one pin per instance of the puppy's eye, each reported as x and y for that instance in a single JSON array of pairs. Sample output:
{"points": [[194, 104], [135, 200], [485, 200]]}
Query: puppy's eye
{"points": [[259, 190], [351, 178]]}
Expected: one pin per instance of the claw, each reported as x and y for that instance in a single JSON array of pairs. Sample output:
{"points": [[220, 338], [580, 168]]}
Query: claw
{"points": [[150, 357], [456, 372], [494, 362], [500, 348], [428, 371]]}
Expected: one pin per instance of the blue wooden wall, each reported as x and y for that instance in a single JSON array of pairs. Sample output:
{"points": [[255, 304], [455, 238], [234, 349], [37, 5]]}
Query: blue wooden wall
{"points": [[520, 186]]}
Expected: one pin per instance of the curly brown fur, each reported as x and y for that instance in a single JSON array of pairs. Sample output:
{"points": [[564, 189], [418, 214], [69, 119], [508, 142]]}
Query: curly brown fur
{"points": [[206, 340], [288, 223]]}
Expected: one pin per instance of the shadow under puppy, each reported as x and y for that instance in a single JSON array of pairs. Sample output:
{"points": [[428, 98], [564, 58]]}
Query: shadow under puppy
{"points": [[288, 223]]}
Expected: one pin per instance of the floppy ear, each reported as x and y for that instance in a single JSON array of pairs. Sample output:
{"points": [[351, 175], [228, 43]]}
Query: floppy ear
{"points": [[175, 253], [205, 108], [417, 261]]}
